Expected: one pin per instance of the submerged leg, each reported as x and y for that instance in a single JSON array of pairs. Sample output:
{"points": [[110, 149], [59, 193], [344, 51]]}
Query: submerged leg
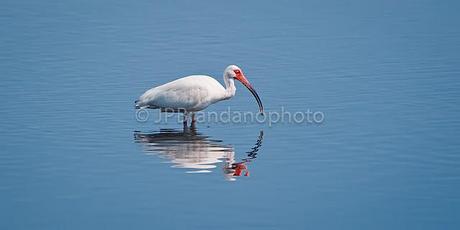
{"points": [[185, 120], [193, 118], [193, 124]]}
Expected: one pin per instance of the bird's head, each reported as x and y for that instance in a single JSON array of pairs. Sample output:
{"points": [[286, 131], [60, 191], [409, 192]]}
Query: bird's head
{"points": [[236, 73]]}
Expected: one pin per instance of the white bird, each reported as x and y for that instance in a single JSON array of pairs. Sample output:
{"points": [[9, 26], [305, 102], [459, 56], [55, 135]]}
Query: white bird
{"points": [[194, 93]]}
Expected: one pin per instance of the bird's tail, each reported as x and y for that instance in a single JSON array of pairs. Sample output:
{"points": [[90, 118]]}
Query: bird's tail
{"points": [[137, 104]]}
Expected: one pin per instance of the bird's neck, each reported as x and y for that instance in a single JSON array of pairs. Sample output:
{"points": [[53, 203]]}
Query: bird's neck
{"points": [[229, 87]]}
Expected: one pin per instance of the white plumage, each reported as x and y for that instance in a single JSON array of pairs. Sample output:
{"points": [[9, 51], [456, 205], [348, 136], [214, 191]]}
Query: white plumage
{"points": [[194, 93]]}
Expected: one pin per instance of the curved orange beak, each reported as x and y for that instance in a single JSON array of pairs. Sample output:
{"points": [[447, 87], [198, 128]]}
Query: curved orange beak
{"points": [[240, 77]]}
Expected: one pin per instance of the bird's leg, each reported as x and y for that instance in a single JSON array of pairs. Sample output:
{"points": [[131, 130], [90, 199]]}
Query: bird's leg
{"points": [[193, 123], [185, 120], [193, 118]]}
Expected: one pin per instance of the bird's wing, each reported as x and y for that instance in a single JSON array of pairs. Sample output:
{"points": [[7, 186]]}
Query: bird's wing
{"points": [[186, 93]]}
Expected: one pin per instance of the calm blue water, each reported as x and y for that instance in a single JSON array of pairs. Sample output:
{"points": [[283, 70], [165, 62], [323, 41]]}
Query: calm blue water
{"points": [[384, 73]]}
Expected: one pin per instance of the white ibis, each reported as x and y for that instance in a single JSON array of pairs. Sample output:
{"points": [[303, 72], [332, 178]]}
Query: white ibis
{"points": [[194, 93]]}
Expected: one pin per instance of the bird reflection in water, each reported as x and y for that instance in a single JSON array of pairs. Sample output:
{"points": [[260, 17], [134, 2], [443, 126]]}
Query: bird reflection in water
{"points": [[195, 152]]}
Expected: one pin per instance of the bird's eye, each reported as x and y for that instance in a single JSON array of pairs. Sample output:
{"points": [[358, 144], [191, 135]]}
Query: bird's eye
{"points": [[236, 71]]}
